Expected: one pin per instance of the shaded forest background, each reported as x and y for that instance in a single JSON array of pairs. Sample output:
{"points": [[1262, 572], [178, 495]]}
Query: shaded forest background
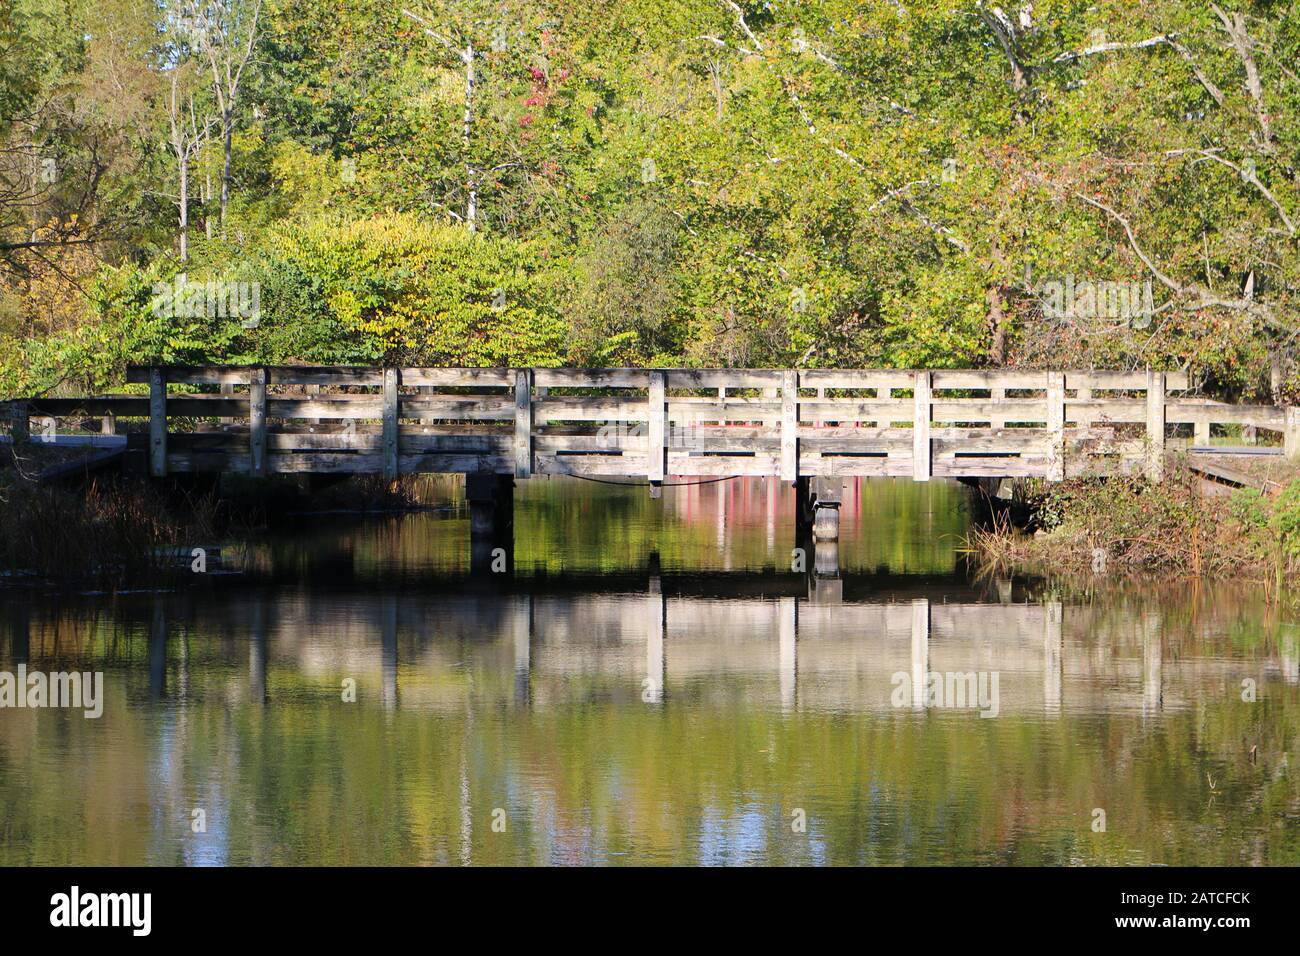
{"points": [[649, 182]]}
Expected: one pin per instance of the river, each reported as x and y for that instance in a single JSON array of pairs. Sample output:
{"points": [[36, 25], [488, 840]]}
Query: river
{"points": [[652, 683]]}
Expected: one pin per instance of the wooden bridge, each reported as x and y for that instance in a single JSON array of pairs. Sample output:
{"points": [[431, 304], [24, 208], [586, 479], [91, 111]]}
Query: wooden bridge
{"points": [[654, 424]]}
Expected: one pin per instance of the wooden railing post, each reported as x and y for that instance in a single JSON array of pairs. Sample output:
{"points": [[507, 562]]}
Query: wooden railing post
{"points": [[257, 422], [1155, 462], [1056, 426], [657, 427], [921, 427], [996, 397], [1291, 435], [157, 422], [790, 426], [392, 381], [19, 425], [523, 422]]}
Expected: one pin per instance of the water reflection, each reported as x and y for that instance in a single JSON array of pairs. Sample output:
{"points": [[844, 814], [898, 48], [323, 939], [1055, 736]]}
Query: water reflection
{"points": [[666, 711]]}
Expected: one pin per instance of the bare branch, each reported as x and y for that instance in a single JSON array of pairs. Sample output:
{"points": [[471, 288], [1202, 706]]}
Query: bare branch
{"points": [[1246, 173], [1235, 27]]}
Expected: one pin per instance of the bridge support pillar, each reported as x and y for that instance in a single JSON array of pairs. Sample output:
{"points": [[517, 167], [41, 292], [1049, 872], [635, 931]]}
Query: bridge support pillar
{"points": [[817, 504], [491, 520], [828, 495], [826, 586]]}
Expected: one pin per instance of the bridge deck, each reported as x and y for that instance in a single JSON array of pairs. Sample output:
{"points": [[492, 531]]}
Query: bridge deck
{"points": [[653, 424]]}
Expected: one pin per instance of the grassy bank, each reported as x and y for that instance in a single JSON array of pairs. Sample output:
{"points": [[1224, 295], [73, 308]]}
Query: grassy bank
{"points": [[108, 534], [115, 531], [1127, 525]]}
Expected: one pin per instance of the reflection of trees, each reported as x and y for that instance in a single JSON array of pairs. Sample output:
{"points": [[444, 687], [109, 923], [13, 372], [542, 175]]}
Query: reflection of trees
{"points": [[579, 526], [587, 772]]}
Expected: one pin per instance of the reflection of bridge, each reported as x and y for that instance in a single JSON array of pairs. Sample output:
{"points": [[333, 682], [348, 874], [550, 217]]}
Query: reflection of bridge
{"points": [[809, 427], [535, 650]]}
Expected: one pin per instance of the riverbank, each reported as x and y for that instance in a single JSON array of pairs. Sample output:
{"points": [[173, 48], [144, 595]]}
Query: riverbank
{"points": [[1126, 525], [111, 531]]}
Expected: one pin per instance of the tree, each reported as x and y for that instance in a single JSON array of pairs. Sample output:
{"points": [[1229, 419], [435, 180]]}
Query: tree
{"points": [[225, 34]]}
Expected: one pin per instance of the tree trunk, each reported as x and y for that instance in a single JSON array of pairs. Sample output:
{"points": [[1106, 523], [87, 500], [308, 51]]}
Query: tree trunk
{"points": [[227, 134], [184, 205], [997, 326], [471, 181]]}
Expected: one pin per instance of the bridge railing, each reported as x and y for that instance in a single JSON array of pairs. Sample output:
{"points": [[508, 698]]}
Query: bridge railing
{"points": [[652, 423]]}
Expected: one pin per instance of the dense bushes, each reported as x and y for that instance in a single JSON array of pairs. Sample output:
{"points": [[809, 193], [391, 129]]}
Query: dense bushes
{"points": [[1125, 524], [405, 291]]}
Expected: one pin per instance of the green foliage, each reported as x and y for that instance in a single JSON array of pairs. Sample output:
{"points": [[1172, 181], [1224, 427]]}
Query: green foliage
{"points": [[127, 323], [824, 184], [401, 290]]}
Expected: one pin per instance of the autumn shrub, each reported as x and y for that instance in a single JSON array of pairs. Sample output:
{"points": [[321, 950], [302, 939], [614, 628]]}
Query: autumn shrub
{"points": [[403, 290]]}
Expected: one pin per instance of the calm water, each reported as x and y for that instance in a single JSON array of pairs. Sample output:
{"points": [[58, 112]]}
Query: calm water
{"points": [[652, 685]]}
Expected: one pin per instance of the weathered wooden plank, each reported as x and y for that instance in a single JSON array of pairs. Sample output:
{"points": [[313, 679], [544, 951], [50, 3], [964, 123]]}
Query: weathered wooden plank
{"points": [[1036, 441], [766, 413], [326, 463], [1107, 380], [257, 421], [123, 406], [1291, 434], [592, 377], [420, 444], [1100, 411], [734, 401], [392, 384], [157, 423], [1261, 416], [611, 466], [790, 425], [350, 407], [611, 443], [816, 443], [857, 379], [523, 423], [723, 378], [588, 409], [847, 467], [853, 410], [276, 374], [191, 462], [451, 464], [454, 377], [944, 379], [1024, 467], [982, 410], [921, 418], [370, 441], [657, 425], [487, 408], [708, 466], [1155, 425]]}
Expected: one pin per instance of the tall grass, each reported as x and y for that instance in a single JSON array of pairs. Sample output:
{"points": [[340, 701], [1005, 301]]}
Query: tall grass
{"points": [[108, 534]]}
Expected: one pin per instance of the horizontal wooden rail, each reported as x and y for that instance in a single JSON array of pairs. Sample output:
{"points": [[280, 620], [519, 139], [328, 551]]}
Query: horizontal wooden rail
{"points": [[654, 423]]}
